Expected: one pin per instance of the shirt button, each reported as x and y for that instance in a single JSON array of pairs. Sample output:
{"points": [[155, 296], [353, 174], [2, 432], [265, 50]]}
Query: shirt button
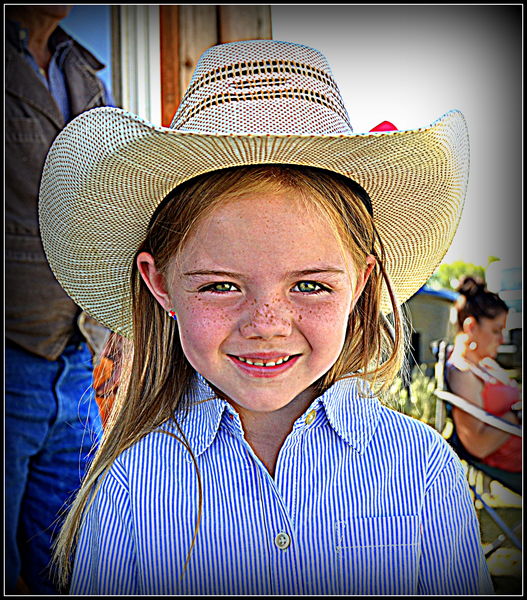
{"points": [[311, 417], [282, 540]]}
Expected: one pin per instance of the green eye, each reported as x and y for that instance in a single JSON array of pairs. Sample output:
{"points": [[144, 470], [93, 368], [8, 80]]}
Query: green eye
{"points": [[310, 287], [220, 287]]}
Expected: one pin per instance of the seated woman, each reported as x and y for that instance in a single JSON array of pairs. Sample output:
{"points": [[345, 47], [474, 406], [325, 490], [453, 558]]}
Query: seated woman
{"points": [[473, 373]]}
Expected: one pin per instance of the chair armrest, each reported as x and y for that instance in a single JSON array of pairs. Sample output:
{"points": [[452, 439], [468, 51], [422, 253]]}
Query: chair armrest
{"points": [[479, 413]]}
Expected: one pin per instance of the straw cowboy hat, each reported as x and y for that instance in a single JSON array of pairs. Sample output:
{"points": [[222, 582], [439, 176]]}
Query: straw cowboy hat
{"points": [[251, 102]]}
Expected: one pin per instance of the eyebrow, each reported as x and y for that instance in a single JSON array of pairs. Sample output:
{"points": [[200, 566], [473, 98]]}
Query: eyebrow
{"points": [[294, 274], [317, 271], [212, 272]]}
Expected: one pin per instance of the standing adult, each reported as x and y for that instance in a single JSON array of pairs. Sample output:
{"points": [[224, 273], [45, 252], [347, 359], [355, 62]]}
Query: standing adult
{"points": [[52, 420]]}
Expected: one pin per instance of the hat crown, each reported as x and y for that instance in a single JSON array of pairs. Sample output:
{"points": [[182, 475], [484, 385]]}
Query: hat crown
{"points": [[262, 87]]}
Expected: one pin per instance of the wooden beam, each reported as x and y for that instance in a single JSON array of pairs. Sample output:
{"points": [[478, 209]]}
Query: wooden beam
{"points": [[198, 31], [239, 22], [170, 61]]}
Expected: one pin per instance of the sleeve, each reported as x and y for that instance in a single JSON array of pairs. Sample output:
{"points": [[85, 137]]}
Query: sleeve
{"points": [[452, 560], [105, 561]]}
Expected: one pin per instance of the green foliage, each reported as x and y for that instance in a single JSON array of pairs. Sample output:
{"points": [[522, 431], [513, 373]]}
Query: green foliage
{"points": [[447, 276], [416, 399]]}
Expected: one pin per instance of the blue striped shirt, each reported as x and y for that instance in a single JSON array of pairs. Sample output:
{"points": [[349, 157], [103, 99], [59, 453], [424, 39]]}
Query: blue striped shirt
{"points": [[364, 500]]}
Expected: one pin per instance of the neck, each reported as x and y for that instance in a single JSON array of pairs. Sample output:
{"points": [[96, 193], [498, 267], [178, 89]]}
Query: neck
{"points": [[266, 432], [40, 27], [462, 349]]}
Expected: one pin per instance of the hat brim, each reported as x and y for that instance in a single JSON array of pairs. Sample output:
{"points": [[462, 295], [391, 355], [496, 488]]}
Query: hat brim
{"points": [[108, 170]]}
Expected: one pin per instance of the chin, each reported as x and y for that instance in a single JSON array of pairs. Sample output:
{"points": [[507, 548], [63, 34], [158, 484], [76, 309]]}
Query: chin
{"points": [[58, 11], [263, 398], [262, 402]]}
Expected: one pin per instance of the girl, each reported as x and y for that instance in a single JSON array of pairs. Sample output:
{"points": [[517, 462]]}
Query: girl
{"points": [[250, 253]]}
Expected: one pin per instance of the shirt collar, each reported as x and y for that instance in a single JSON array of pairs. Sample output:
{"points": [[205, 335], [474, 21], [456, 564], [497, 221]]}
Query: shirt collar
{"points": [[59, 40], [350, 408]]}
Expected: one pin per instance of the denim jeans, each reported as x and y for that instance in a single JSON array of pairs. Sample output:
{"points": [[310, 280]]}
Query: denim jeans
{"points": [[52, 424]]}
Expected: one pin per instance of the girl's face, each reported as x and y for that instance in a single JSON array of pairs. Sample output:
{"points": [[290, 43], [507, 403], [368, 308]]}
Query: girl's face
{"points": [[262, 295]]}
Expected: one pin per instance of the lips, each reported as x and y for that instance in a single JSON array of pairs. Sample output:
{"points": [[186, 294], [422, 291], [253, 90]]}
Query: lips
{"points": [[264, 366]]}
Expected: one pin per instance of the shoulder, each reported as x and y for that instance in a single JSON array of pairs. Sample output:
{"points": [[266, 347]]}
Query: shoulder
{"points": [[372, 427], [415, 443], [164, 445], [457, 365], [152, 470], [78, 50], [396, 424], [496, 371], [462, 380], [158, 460]]}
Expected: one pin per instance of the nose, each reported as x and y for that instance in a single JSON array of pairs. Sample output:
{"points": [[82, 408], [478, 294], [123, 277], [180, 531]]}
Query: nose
{"points": [[266, 321]]}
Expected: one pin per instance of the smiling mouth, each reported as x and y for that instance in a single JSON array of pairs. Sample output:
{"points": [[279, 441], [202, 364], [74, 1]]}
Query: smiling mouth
{"points": [[256, 366], [259, 362]]}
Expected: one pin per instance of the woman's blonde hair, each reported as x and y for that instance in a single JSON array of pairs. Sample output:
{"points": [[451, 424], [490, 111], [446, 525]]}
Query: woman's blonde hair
{"points": [[155, 372]]}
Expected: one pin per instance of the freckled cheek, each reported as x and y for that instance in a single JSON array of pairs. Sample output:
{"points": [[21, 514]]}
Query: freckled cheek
{"points": [[204, 326], [326, 316], [324, 328]]}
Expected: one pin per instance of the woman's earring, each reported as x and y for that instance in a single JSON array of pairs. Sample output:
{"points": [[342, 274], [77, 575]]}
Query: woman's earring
{"points": [[172, 314], [473, 345]]}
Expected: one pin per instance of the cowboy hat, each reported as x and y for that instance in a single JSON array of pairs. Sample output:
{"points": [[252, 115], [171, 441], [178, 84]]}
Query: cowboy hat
{"points": [[250, 102]]}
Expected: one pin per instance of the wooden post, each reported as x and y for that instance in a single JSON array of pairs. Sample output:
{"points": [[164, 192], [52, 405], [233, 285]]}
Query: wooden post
{"points": [[169, 47], [198, 30], [186, 31], [238, 22]]}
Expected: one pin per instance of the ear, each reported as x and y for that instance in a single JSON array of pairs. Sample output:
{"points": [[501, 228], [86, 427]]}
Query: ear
{"points": [[153, 278], [362, 277], [468, 325]]}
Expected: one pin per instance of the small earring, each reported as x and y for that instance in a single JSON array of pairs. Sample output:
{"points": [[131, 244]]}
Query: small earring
{"points": [[172, 314], [473, 345]]}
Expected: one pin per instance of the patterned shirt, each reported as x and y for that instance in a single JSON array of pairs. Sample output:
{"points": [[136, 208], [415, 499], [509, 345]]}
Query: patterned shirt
{"points": [[364, 500]]}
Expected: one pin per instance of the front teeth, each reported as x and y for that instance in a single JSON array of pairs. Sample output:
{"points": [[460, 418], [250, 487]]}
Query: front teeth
{"points": [[259, 363]]}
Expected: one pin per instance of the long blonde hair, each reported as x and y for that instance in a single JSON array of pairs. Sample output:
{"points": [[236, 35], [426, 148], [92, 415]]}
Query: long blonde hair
{"points": [[155, 372]]}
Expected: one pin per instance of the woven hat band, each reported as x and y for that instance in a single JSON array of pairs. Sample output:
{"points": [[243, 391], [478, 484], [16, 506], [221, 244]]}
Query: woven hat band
{"points": [[284, 93]]}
